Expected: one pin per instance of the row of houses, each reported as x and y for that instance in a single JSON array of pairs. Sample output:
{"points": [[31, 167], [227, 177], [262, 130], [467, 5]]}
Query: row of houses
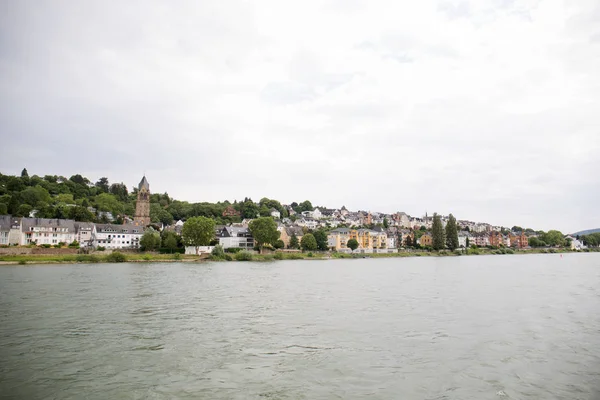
{"points": [[44, 231]]}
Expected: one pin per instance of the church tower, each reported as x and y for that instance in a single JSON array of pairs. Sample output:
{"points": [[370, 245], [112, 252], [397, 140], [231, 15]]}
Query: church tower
{"points": [[142, 207]]}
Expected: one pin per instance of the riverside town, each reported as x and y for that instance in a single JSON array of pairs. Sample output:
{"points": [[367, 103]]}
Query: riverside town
{"points": [[39, 215]]}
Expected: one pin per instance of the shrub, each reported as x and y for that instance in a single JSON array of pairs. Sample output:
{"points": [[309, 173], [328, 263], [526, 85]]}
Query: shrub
{"points": [[510, 251], [228, 257], [22, 262], [100, 248], [294, 256], [147, 257], [87, 258], [233, 250], [46, 246], [473, 251], [116, 257], [177, 256], [243, 256], [218, 251], [74, 244], [310, 254], [278, 256], [458, 252]]}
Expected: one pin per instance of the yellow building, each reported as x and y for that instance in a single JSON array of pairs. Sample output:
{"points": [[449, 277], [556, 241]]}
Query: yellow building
{"points": [[367, 239], [426, 240]]}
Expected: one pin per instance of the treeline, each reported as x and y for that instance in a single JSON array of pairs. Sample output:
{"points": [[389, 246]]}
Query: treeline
{"points": [[78, 198]]}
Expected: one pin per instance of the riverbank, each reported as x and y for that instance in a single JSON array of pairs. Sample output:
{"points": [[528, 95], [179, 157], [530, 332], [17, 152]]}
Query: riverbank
{"points": [[118, 257]]}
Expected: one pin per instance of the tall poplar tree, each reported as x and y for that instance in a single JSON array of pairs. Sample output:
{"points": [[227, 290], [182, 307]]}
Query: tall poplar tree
{"points": [[437, 231], [451, 233]]}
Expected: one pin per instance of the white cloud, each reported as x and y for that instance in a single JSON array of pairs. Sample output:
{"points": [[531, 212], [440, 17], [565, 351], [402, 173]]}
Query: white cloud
{"points": [[486, 109]]}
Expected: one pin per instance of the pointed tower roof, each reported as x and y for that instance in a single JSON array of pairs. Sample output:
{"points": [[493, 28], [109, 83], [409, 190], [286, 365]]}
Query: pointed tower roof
{"points": [[144, 184]]}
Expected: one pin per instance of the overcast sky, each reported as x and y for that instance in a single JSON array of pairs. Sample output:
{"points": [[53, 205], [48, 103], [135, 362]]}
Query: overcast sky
{"points": [[488, 109]]}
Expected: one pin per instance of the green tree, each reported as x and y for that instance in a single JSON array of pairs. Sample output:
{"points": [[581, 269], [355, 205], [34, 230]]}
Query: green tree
{"points": [[79, 213], [305, 206], [516, 229], [308, 242], [386, 224], [35, 195], [3, 209], [553, 238], [352, 244], [467, 242], [321, 238], [24, 210], [279, 244], [24, 173], [451, 233], [169, 240], [264, 231], [108, 202], [198, 231], [102, 184], [437, 231], [294, 243], [150, 240]]}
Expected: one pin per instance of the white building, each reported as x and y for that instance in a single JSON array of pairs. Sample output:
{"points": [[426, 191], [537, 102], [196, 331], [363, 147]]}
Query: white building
{"points": [[85, 233], [47, 231], [112, 236], [275, 213], [236, 237], [391, 242]]}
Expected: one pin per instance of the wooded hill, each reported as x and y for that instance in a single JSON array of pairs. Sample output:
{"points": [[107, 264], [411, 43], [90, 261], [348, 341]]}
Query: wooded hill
{"points": [[80, 199]]}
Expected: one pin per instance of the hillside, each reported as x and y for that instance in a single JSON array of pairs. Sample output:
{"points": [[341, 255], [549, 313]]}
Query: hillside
{"points": [[78, 198], [586, 232]]}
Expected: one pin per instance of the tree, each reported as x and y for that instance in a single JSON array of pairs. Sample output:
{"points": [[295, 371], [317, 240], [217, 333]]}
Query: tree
{"points": [[264, 230], [150, 240], [79, 213], [352, 244], [279, 244], [467, 242], [451, 233], [305, 206], [516, 229], [308, 242], [437, 231], [294, 243], [102, 184], [321, 238], [24, 173], [169, 240], [408, 241], [553, 238], [386, 224], [198, 231]]}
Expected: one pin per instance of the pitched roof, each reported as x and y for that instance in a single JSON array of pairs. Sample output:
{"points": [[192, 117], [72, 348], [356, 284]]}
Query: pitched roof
{"points": [[144, 184]]}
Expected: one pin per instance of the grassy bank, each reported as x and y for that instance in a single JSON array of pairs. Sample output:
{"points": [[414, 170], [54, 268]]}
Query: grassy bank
{"points": [[117, 257]]}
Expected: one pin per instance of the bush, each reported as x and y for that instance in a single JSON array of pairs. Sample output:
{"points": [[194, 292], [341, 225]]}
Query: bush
{"points": [[177, 256], [510, 251], [278, 256], [228, 257], [74, 244], [164, 250], [87, 258], [46, 246], [116, 257], [243, 256], [310, 254], [100, 248], [218, 251], [147, 257], [473, 251], [458, 252], [233, 250], [294, 256]]}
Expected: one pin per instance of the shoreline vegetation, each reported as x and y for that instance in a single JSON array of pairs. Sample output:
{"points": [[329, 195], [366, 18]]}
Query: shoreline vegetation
{"points": [[118, 257]]}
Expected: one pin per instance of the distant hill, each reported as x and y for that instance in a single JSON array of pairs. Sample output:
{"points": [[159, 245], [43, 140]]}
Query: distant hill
{"points": [[586, 232]]}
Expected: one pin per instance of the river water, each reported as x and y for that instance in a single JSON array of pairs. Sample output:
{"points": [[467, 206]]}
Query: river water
{"points": [[478, 327]]}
